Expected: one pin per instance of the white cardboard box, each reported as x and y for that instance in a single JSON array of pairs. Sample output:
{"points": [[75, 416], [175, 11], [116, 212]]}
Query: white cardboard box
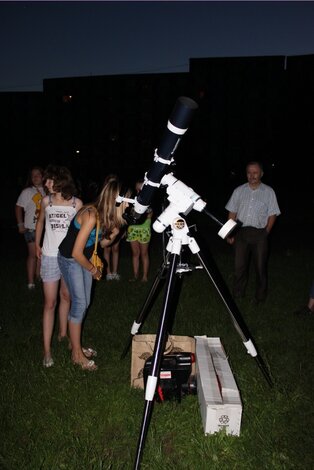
{"points": [[218, 394]]}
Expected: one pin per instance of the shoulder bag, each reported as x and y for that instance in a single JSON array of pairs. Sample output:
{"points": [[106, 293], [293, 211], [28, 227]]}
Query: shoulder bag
{"points": [[95, 259]]}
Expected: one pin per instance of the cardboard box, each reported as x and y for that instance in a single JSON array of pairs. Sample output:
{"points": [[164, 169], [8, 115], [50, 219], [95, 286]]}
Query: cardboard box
{"points": [[218, 394], [143, 347]]}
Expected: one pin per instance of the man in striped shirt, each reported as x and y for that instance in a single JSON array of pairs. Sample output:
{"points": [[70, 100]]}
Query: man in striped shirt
{"points": [[254, 206]]}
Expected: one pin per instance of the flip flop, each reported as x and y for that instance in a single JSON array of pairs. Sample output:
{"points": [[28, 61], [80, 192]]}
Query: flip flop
{"points": [[90, 365], [48, 362], [89, 352]]}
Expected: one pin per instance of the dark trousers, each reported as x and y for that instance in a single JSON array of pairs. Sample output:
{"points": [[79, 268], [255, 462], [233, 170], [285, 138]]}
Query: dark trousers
{"points": [[250, 243]]}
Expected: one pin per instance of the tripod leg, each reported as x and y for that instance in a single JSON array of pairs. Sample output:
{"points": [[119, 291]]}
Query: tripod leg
{"points": [[212, 270], [174, 301], [160, 343], [145, 308]]}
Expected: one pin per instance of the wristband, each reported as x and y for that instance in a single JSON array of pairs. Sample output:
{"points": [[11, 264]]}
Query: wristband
{"points": [[20, 224]]}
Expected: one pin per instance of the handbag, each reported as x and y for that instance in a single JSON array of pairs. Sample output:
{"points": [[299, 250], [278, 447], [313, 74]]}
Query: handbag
{"points": [[95, 259]]}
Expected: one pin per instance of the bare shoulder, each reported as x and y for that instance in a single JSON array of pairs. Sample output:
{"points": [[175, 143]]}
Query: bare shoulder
{"points": [[87, 215], [78, 203], [44, 201]]}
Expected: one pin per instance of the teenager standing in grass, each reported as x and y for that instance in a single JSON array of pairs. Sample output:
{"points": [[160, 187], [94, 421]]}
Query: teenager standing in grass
{"points": [[112, 252], [139, 237], [56, 212], [75, 253], [26, 211], [254, 205]]}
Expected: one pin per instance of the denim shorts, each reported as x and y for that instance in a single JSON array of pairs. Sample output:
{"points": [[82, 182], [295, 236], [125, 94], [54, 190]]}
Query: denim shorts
{"points": [[79, 283], [49, 269], [29, 236]]}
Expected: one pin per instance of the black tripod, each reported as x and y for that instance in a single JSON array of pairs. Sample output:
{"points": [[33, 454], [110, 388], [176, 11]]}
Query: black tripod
{"points": [[180, 237]]}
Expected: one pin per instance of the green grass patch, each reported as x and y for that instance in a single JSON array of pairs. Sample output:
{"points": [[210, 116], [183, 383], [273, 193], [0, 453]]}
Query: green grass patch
{"points": [[64, 419]]}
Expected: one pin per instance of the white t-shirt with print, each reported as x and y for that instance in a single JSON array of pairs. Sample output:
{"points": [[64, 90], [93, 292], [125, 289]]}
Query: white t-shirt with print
{"points": [[57, 221], [30, 199]]}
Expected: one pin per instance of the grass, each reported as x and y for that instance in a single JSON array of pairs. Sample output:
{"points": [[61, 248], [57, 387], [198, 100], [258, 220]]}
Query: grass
{"points": [[64, 419]]}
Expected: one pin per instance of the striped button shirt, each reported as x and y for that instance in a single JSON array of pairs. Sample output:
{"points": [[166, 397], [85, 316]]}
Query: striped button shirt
{"points": [[253, 206]]}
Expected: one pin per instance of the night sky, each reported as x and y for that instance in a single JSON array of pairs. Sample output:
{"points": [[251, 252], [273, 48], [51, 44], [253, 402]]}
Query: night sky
{"points": [[41, 40]]}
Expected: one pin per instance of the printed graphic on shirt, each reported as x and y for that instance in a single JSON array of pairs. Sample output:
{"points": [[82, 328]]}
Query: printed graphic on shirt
{"points": [[37, 200], [59, 221]]}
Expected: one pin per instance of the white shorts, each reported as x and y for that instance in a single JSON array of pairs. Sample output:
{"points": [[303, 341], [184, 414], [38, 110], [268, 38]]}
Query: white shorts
{"points": [[49, 269]]}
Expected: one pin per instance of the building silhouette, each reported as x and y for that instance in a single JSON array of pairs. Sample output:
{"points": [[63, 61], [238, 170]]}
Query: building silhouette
{"points": [[250, 108]]}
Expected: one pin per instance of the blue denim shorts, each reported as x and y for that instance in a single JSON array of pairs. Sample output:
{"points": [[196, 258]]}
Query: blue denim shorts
{"points": [[49, 269], [29, 236]]}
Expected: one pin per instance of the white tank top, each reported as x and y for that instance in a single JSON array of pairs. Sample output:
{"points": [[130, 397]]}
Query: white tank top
{"points": [[57, 219]]}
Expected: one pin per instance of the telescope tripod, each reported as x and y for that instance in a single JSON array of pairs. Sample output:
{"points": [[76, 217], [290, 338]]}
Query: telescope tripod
{"points": [[180, 237]]}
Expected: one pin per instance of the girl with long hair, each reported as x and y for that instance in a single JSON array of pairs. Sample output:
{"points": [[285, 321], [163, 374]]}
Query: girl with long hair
{"points": [[75, 253]]}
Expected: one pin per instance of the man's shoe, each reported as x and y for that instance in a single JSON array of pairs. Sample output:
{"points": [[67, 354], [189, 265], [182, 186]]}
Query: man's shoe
{"points": [[304, 311]]}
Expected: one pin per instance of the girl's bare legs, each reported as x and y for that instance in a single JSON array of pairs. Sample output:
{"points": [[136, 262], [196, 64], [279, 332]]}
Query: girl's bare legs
{"points": [[64, 307], [115, 257], [37, 270], [50, 294], [145, 260], [75, 330], [31, 263], [111, 255], [135, 247], [107, 252]]}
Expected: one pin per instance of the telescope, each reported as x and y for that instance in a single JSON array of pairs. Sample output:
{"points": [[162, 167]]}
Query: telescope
{"points": [[177, 126], [182, 200]]}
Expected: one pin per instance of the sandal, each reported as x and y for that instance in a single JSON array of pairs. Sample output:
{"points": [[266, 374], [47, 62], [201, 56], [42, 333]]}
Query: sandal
{"points": [[89, 352], [89, 365], [48, 362]]}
